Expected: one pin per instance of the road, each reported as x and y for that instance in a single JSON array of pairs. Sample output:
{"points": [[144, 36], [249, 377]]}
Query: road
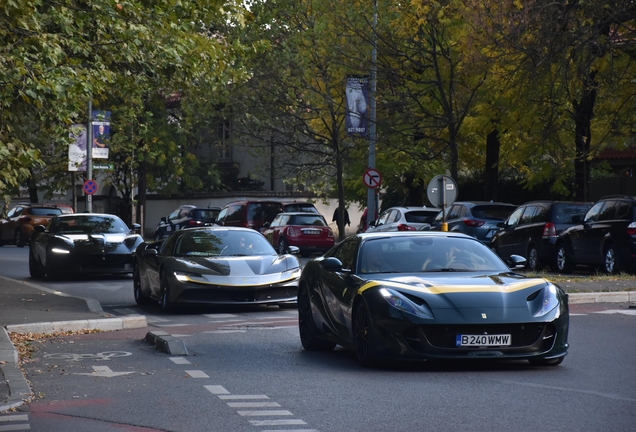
{"points": [[246, 371]]}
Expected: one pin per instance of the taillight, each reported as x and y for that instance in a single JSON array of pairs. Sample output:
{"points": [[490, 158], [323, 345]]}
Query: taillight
{"points": [[405, 227], [549, 230], [291, 232], [631, 229], [474, 222], [194, 222], [329, 232]]}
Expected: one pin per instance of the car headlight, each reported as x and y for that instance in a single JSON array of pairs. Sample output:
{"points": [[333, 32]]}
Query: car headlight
{"points": [[60, 250], [400, 302], [189, 277], [291, 274], [544, 301]]}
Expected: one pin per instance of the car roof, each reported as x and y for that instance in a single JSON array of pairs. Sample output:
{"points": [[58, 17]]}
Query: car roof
{"points": [[373, 235], [74, 215], [483, 203], [218, 228], [557, 202], [409, 208]]}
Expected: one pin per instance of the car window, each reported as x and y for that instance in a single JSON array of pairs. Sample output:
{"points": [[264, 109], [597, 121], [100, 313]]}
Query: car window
{"points": [[173, 215], [394, 216], [454, 212], [183, 213], [541, 214], [383, 217], [564, 213], [514, 218], [310, 219], [203, 215], [299, 207], [527, 215], [608, 211], [277, 221], [346, 252], [199, 244], [622, 210], [16, 212], [417, 216], [263, 211], [492, 211], [234, 213], [592, 214], [83, 224], [168, 245], [45, 211]]}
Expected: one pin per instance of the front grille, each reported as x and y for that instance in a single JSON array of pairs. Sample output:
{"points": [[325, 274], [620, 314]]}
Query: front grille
{"points": [[537, 335], [238, 295]]}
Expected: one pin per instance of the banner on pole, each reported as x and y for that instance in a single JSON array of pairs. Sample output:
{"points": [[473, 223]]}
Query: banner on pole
{"points": [[101, 134], [357, 106], [77, 149]]}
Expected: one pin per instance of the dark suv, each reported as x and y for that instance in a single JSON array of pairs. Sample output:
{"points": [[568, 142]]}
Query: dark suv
{"points": [[186, 216], [477, 219], [531, 230], [606, 238], [249, 214], [21, 220]]}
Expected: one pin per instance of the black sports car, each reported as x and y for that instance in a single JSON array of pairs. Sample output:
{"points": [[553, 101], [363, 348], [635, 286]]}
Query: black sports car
{"points": [[429, 295], [215, 265], [83, 243]]}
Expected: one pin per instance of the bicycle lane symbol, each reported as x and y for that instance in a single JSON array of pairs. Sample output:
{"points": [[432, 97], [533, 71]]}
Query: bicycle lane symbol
{"points": [[106, 355]]}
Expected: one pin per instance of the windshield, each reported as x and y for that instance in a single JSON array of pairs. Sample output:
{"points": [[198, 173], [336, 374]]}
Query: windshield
{"points": [[223, 243], [427, 254], [312, 220], [84, 224]]}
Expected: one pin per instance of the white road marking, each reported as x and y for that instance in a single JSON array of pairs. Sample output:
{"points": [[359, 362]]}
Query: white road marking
{"points": [[197, 374], [229, 396], [172, 325], [104, 371], [253, 405], [631, 312], [575, 314], [224, 331], [179, 360], [153, 319], [216, 389], [277, 422], [16, 417], [265, 413], [215, 316], [589, 392]]}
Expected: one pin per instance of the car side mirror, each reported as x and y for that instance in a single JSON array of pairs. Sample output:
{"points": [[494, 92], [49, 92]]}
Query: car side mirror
{"points": [[372, 223], [150, 253], [516, 261], [294, 250], [135, 228], [331, 264]]}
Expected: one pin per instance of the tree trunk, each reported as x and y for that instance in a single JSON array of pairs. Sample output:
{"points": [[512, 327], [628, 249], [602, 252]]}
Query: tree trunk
{"points": [[583, 114], [491, 171], [416, 190]]}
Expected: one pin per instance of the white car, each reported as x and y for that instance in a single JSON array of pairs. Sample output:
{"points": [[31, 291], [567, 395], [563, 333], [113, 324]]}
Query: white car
{"points": [[404, 219]]}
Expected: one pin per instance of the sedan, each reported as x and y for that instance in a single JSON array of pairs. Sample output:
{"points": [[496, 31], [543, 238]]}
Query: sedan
{"points": [[83, 243], [478, 219], [215, 266], [307, 231], [429, 295]]}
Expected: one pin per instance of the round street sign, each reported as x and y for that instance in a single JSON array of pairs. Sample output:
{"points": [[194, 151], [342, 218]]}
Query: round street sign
{"points": [[90, 187], [442, 191], [372, 178]]}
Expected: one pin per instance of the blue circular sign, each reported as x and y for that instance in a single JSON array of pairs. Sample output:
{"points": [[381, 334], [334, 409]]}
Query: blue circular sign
{"points": [[90, 187]]}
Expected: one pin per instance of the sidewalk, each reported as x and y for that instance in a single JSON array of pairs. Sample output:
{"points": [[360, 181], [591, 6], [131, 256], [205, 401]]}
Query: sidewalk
{"points": [[27, 307]]}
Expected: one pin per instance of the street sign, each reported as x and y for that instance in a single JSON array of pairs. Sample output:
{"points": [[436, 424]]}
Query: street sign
{"points": [[109, 167], [372, 178], [441, 191], [90, 187]]}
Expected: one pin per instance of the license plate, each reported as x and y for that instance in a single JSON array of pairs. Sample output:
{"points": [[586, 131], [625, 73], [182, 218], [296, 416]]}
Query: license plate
{"points": [[315, 232], [482, 340]]}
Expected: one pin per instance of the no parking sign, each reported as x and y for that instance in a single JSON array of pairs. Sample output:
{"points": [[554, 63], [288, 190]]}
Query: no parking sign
{"points": [[90, 187]]}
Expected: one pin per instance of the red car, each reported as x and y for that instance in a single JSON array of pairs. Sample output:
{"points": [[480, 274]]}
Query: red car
{"points": [[307, 231]]}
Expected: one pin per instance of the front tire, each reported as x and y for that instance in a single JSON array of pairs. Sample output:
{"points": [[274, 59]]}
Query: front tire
{"points": [[563, 262], [140, 298], [533, 259], [363, 334], [19, 239], [307, 327], [282, 246], [611, 262], [166, 304]]}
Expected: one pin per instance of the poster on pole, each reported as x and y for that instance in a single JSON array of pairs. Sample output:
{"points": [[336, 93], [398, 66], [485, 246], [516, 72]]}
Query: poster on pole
{"points": [[357, 106], [101, 134], [77, 149]]}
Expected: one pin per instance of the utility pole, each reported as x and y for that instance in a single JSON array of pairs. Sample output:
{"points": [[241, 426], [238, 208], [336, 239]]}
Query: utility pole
{"points": [[89, 154], [371, 193]]}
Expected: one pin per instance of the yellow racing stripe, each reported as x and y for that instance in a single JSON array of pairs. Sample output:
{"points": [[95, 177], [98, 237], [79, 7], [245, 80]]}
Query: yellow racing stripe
{"points": [[429, 288]]}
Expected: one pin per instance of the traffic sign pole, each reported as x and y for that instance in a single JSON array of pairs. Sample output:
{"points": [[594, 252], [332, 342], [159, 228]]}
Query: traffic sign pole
{"points": [[89, 153]]}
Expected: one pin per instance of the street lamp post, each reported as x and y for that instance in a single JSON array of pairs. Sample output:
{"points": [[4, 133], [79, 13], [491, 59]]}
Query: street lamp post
{"points": [[371, 193], [89, 154]]}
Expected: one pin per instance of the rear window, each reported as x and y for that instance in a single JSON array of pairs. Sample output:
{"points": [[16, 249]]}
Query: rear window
{"points": [[492, 212], [45, 211], [265, 212], [300, 208], [205, 215], [420, 216], [307, 220], [564, 213]]}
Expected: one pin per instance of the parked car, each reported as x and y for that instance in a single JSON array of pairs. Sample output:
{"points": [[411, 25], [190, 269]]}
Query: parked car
{"points": [[477, 219], [20, 220], [307, 231], [606, 238], [83, 243], [214, 265], [411, 218], [531, 230], [387, 296], [186, 216], [249, 214], [290, 207]]}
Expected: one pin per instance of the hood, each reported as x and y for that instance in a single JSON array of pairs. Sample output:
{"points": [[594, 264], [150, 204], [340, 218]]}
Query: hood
{"points": [[102, 243]]}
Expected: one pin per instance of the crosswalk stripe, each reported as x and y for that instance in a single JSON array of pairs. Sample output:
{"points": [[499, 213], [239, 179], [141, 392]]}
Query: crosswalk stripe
{"points": [[229, 396], [253, 405], [277, 422], [197, 374], [179, 360], [265, 413], [216, 389]]}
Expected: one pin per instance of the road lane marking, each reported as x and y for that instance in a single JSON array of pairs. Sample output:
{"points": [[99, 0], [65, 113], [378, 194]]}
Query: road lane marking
{"points": [[197, 374], [253, 404], [265, 413], [229, 396], [589, 392], [223, 331], [216, 389], [179, 360], [631, 312], [104, 371], [277, 422]]}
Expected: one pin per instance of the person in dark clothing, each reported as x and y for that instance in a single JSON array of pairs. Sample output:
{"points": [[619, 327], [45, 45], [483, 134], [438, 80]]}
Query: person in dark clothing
{"points": [[346, 217]]}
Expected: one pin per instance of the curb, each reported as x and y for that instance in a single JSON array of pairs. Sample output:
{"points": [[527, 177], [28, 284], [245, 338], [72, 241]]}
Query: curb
{"points": [[19, 388], [602, 297], [105, 324]]}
